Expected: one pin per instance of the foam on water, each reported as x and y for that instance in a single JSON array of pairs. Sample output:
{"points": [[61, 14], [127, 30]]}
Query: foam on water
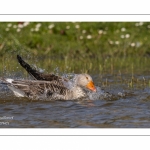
{"points": [[99, 94]]}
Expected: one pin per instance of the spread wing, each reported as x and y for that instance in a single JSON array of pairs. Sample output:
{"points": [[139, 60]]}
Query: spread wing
{"points": [[34, 89], [36, 74]]}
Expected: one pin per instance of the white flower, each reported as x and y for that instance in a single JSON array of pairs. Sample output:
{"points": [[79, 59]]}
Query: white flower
{"points": [[122, 36], [83, 31], [138, 44], [25, 24], [38, 25], [81, 37], [132, 44], [67, 27], [123, 29], [89, 37], [77, 26], [14, 26], [18, 29], [9, 25], [20, 25], [36, 29], [100, 32], [141, 23], [117, 42], [7, 29], [127, 35], [51, 26]]}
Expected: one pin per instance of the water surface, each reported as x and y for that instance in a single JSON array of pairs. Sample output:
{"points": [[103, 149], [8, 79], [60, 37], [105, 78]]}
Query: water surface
{"points": [[129, 107]]}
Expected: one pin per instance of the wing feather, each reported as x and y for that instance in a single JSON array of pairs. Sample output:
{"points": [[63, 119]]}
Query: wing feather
{"points": [[31, 88], [36, 74]]}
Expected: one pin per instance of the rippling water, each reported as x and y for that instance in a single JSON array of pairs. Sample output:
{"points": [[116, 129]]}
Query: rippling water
{"points": [[127, 108]]}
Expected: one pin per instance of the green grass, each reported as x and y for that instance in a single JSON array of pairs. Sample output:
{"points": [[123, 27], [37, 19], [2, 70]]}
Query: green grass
{"points": [[94, 47], [79, 39]]}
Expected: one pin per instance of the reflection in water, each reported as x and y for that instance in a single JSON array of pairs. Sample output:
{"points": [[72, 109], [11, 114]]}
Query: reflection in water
{"points": [[121, 108]]}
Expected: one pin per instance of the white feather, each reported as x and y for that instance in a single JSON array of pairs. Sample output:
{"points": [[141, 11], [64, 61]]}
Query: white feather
{"points": [[9, 80], [17, 92]]}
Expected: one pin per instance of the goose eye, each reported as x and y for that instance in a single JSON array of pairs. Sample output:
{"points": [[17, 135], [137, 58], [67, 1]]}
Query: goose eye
{"points": [[87, 78]]}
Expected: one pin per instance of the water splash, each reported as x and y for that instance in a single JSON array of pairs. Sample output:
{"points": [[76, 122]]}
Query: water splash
{"points": [[57, 71], [99, 94], [69, 76]]}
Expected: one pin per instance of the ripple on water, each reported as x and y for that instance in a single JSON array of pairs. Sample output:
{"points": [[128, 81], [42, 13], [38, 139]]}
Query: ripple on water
{"points": [[119, 107]]}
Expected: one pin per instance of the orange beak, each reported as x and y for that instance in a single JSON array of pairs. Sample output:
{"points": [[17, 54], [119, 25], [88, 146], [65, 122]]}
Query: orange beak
{"points": [[91, 86]]}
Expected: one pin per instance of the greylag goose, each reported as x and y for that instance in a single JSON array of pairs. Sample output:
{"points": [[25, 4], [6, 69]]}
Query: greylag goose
{"points": [[50, 86]]}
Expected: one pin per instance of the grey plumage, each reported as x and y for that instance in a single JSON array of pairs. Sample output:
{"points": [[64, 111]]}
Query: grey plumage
{"points": [[42, 89], [49, 86]]}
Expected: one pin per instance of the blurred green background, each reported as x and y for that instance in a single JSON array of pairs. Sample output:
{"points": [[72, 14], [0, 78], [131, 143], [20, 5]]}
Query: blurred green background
{"points": [[77, 46]]}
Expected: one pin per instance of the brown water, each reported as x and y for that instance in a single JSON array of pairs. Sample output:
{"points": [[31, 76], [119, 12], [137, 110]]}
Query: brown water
{"points": [[128, 108]]}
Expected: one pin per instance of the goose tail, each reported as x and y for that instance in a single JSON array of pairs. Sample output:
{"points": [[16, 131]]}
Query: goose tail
{"points": [[34, 73]]}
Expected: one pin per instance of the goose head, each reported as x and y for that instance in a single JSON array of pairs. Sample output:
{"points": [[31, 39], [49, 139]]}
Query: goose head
{"points": [[85, 80]]}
